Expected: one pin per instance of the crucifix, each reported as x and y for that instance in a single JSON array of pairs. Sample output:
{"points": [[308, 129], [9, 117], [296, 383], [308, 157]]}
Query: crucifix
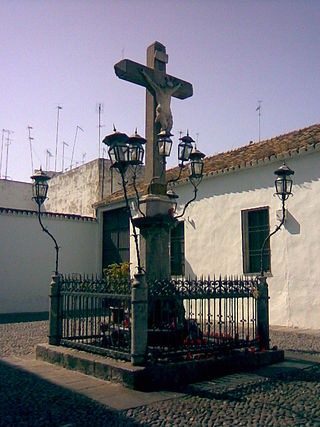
{"points": [[160, 87]]}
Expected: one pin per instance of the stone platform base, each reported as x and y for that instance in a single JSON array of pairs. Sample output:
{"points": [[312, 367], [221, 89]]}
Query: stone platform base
{"points": [[158, 376]]}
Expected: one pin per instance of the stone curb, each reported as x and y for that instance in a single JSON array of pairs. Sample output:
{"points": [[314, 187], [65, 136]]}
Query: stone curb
{"points": [[155, 376]]}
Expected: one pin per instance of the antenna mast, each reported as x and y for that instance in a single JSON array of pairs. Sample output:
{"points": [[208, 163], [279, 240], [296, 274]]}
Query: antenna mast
{"points": [[2, 144], [64, 144], [57, 137], [7, 159], [100, 110], [259, 115], [30, 143], [74, 143], [48, 157]]}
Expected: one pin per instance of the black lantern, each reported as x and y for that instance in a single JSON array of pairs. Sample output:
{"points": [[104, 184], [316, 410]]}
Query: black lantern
{"points": [[283, 183], [40, 190], [40, 186], [135, 149], [196, 167], [164, 143], [185, 148], [119, 149]]}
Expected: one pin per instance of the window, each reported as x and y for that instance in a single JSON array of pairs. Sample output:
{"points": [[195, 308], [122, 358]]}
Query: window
{"points": [[116, 246], [255, 228], [177, 249]]}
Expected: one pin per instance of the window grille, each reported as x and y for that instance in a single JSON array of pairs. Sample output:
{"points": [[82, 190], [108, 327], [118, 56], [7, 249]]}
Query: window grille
{"points": [[255, 228], [177, 250]]}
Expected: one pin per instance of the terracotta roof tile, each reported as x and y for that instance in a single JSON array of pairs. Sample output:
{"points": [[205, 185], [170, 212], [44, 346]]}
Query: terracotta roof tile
{"points": [[252, 153], [247, 155]]}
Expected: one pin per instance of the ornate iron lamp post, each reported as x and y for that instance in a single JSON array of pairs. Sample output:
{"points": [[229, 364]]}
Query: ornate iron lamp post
{"points": [[195, 175], [40, 191], [124, 152], [283, 187]]}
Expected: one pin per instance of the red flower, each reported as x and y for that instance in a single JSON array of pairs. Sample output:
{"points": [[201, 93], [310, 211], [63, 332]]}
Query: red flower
{"points": [[198, 341], [237, 337], [275, 347], [257, 337], [211, 334], [252, 349], [205, 340], [229, 336], [207, 333], [263, 350], [173, 325], [185, 341], [217, 335], [188, 355]]}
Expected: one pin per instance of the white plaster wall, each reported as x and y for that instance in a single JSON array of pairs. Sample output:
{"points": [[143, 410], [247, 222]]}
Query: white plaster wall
{"points": [[27, 258], [213, 236], [75, 191], [16, 195]]}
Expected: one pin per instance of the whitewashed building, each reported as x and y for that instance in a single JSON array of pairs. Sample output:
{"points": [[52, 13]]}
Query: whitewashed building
{"points": [[221, 233], [27, 255]]}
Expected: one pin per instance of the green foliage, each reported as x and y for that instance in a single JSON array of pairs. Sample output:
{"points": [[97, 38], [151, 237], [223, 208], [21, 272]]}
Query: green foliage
{"points": [[118, 277]]}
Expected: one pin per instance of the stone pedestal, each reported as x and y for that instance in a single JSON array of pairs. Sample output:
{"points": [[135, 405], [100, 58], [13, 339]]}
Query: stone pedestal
{"points": [[263, 313], [155, 235], [55, 324], [139, 334]]}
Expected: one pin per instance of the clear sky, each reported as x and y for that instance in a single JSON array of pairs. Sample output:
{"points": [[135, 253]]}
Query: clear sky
{"points": [[233, 52]]}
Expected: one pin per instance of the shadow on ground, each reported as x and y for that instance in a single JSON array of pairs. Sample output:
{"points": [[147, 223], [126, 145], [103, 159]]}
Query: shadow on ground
{"points": [[27, 400]]}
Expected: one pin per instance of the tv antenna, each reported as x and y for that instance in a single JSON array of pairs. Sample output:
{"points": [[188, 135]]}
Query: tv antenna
{"points": [[74, 143], [48, 157], [99, 110], [57, 137], [2, 145], [8, 143], [30, 145], [64, 144], [197, 140], [259, 117]]}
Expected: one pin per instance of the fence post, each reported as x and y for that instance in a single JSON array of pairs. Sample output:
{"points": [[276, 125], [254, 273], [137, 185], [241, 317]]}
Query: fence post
{"points": [[263, 313], [139, 331], [55, 321]]}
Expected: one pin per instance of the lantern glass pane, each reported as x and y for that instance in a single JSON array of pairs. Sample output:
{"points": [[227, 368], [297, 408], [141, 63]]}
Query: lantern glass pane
{"points": [[197, 168], [165, 145], [136, 153], [112, 155], [289, 185], [43, 190], [184, 151], [280, 186], [122, 153]]}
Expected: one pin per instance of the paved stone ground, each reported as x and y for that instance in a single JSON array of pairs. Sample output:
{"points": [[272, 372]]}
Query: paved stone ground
{"points": [[276, 397]]}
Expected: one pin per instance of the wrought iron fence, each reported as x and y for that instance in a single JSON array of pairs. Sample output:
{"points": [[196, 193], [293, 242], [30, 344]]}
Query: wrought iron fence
{"points": [[201, 317], [95, 315], [186, 318]]}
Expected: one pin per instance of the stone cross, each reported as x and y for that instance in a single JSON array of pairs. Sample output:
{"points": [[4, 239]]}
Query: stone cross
{"points": [[160, 87]]}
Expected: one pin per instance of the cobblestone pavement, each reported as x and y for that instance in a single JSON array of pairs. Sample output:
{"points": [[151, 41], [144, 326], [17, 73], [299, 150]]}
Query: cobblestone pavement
{"points": [[260, 398]]}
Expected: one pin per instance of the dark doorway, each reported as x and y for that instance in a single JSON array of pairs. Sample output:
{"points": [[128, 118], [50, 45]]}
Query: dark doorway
{"points": [[116, 243]]}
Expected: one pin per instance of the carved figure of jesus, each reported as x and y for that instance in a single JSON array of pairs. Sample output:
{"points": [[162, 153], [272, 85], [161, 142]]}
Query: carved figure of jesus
{"points": [[163, 95]]}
